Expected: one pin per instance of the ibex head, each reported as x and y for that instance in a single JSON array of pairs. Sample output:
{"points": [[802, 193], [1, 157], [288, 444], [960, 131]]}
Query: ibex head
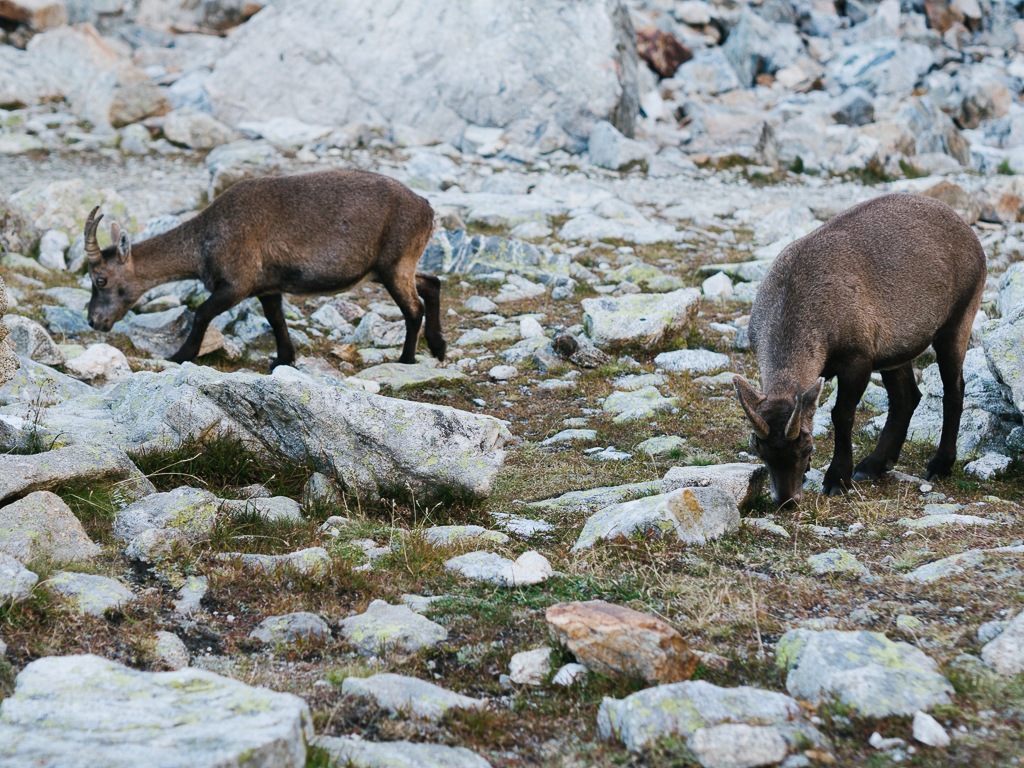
{"points": [[114, 288], [781, 435]]}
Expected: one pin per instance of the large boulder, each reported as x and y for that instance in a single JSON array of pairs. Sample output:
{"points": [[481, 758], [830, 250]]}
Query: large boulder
{"points": [[372, 443], [86, 711], [518, 65], [64, 206], [755, 46], [646, 321]]}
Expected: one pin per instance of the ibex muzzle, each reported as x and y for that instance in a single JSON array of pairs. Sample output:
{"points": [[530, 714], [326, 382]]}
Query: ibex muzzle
{"points": [[314, 234], [868, 291]]}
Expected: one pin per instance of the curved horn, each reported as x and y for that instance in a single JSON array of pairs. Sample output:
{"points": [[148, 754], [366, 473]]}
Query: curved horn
{"points": [[92, 247], [793, 425], [749, 400]]}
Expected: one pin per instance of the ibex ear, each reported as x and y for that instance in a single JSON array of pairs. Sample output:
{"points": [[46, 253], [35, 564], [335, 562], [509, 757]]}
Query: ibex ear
{"points": [[810, 397], [122, 242], [750, 399]]}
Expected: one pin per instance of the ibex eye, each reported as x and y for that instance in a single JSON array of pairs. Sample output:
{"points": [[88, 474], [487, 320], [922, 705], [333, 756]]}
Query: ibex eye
{"points": [[101, 281]]}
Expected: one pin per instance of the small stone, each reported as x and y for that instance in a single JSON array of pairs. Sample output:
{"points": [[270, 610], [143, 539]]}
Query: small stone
{"points": [[883, 744], [16, 581], [41, 525], [387, 628], [718, 286], [647, 321], [661, 445], [29, 339], [569, 674], [766, 525], [692, 361], [529, 328], [170, 651], [191, 595], [480, 304], [99, 365], [837, 561], [618, 641], [530, 568], [409, 695], [1005, 654], [530, 667], [149, 528], [447, 535], [571, 435], [745, 482], [320, 491], [928, 731], [52, 246], [277, 509], [313, 561], [419, 603], [88, 594], [503, 372], [356, 752], [989, 465], [292, 628], [736, 745], [909, 623], [990, 630]]}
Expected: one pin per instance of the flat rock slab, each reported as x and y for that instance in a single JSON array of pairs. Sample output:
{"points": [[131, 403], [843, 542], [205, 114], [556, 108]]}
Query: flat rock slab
{"points": [[397, 754], [642, 320], [837, 561], [956, 564], [446, 535], [20, 475], [387, 628], [88, 712], [571, 435], [37, 384], [737, 745], [371, 443], [864, 670], [1005, 654], [940, 520], [89, 594], [399, 376], [313, 561], [529, 568], [292, 628], [681, 709], [150, 527], [694, 515], [409, 695], [276, 509], [42, 525], [598, 498], [618, 641], [744, 481], [662, 445], [692, 361], [16, 581], [638, 405]]}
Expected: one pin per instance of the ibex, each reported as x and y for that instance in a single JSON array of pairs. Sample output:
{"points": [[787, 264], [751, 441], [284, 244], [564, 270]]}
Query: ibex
{"points": [[316, 233], [868, 291]]}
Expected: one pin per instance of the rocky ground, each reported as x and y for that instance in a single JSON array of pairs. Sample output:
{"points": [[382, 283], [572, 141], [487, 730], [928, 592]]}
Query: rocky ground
{"points": [[553, 548]]}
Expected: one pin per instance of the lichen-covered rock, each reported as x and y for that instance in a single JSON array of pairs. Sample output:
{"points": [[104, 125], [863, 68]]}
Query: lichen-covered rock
{"points": [[36, 385], [681, 709], [744, 482], [313, 561], [643, 404], [84, 711], [99, 365], [618, 641], [398, 376], [20, 475], [642, 320], [16, 581], [947, 566], [445, 535], [597, 498], [837, 561], [736, 745], [276, 509], [89, 594], [64, 206], [409, 695], [529, 568], [150, 527], [692, 361], [291, 628], [1005, 356], [41, 525], [169, 650], [1005, 654], [397, 754], [694, 515], [387, 628], [372, 444], [864, 670], [320, 491], [29, 339]]}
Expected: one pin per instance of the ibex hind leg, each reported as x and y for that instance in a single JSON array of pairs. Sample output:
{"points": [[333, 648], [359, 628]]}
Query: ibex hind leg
{"points": [[903, 399], [852, 380], [950, 349], [273, 309], [429, 289], [403, 290]]}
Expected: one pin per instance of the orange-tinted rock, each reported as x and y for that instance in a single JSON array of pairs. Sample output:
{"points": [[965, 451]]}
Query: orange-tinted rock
{"points": [[661, 50], [619, 642]]}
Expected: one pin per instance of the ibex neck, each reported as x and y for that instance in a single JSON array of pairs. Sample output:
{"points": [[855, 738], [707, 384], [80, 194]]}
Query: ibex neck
{"points": [[164, 259]]}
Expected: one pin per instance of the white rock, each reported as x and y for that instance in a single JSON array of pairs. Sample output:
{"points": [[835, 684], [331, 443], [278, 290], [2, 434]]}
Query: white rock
{"points": [[529, 568], [692, 361], [610, 149], [99, 365], [384, 628], [644, 320], [355, 752], [480, 140], [736, 745], [480, 304], [1005, 654], [52, 246], [568, 674], [409, 695], [928, 731], [16, 581], [718, 286], [530, 667], [529, 328], [169, 650], [989, 465], [503, 372], [87, 712]]}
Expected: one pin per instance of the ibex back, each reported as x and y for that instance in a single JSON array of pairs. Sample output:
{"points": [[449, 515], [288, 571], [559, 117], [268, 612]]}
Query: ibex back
{"points": [[316, 233], [868, 291]]}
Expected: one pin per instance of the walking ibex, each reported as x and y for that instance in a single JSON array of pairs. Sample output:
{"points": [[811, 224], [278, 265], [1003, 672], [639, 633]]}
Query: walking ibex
{"points": [[868, 291], [316, 233]]}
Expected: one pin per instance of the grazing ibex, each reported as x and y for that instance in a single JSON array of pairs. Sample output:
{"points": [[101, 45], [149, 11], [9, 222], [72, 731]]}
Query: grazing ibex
{"points": [[316, 233], [868, 291]]}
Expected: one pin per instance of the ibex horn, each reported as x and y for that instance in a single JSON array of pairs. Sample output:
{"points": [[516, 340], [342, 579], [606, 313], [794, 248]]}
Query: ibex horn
{"points": [[746, 392], [793, 425], [92, 247]]}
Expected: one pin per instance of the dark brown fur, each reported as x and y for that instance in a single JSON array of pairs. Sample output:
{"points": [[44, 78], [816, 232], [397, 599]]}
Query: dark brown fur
{"points": [[868, 291], [317, 233]]}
